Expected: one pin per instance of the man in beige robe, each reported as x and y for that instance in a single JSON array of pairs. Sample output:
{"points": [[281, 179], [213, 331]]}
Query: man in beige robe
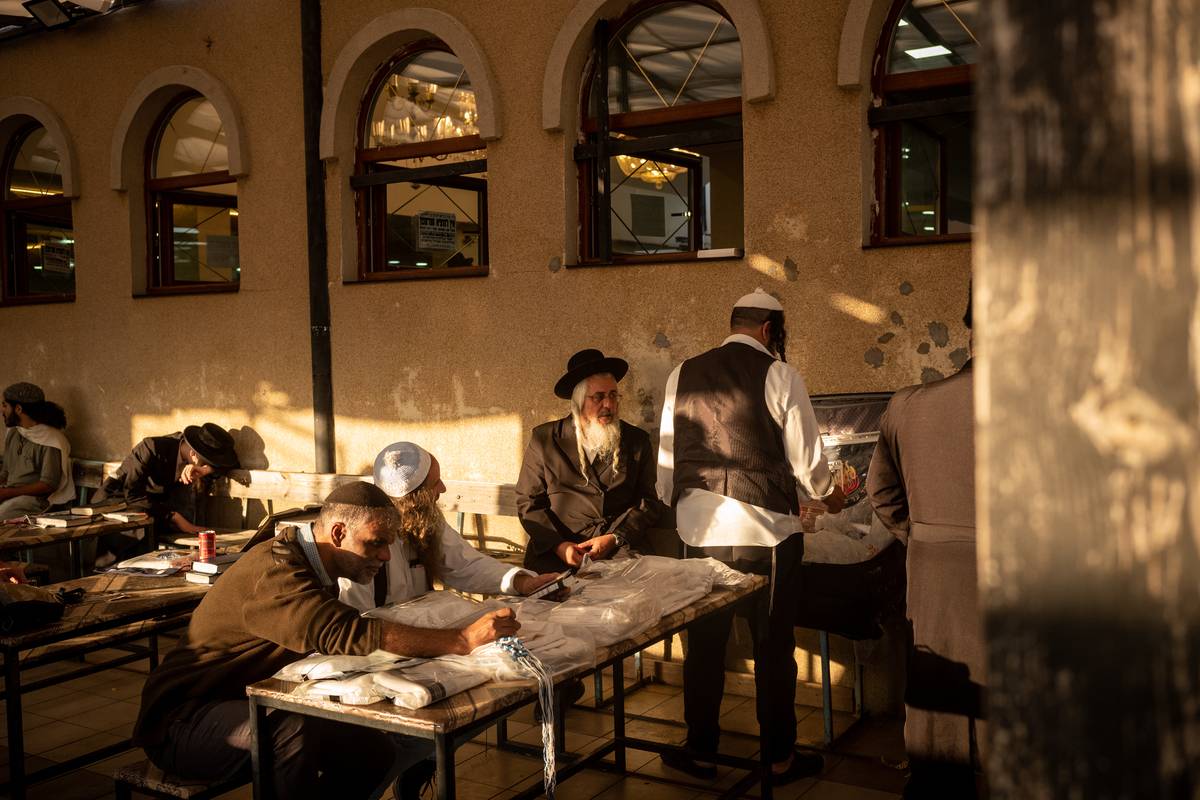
{"points": [[922, 486]]}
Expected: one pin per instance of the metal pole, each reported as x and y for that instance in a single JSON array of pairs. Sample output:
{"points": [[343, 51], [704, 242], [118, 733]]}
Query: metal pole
{"points": [[318, 268]]}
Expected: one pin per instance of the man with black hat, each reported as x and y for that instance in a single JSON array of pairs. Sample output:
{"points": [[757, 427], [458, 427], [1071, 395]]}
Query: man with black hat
{"points": [[739, 450], [587, 480], [922, 486], [36, 473], [275, 605], [169, 475]]}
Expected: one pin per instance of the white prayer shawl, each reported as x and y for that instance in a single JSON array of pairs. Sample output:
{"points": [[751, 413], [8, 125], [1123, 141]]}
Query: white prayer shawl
{"points": [[49, 436], [463, 568]]}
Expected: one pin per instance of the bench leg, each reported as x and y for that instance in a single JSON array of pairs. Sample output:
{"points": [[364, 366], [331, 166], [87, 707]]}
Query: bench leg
{"points": [[445, 768], [16, 730]]}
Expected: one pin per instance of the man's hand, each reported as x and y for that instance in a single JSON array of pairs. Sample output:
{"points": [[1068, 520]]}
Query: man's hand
{"points": [[12, 572], [570, 553], [528, 584], [188, 474], [600, 547], [836, 500], [489, 628]]}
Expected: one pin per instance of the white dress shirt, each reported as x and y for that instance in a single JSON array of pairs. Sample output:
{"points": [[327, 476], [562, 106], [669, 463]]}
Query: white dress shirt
{"points": [[707, 519], [463, 568]]}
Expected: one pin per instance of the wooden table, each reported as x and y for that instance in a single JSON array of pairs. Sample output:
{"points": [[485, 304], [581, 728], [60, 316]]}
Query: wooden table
{"points": [[27, 537], [458, 719], [117, 610]]}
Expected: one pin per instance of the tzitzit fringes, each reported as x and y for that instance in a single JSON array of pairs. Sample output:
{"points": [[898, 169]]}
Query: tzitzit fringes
{"points": [[530, 663]]}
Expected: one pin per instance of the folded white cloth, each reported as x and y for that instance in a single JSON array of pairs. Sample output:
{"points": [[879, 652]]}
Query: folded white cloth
{"points": [[49, 436]]}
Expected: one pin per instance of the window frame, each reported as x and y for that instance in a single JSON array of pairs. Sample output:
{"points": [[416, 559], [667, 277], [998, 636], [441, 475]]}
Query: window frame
{"points": [[14, 212], [160, 257], [884, 122], [370, 180], [592, 155]]}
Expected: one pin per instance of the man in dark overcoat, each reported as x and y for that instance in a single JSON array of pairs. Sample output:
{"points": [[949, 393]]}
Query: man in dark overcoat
{"points": [[587, 480], [922, 486]]}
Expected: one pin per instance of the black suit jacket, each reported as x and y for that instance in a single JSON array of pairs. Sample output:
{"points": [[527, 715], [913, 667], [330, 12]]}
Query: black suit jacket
{"points": [[149, 478], [556, 503]]}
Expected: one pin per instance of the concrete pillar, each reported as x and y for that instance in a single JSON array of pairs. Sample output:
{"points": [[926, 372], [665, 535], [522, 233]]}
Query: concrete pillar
{"points": [[1088, 342]]}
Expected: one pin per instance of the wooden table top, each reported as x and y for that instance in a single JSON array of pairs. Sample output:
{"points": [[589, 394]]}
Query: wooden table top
{"points": [[17, 537], [465, 708], [112, 600]]}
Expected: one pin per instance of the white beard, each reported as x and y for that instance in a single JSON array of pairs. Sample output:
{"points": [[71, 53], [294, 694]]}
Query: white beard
{"points": [[603, 440]]}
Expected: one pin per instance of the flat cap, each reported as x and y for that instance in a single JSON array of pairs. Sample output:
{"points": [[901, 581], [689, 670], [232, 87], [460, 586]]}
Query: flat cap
{"points": [[359, 493]]}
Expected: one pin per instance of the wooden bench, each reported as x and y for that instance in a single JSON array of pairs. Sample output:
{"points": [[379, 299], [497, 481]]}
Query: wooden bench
{"points": [[146, 779]]}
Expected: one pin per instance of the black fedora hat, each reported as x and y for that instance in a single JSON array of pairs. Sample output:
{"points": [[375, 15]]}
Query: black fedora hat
{"points": [[585, 364], [212, 443]]}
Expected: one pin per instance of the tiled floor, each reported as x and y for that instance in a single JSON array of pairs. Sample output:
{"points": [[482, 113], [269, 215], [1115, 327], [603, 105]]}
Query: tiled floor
{"points": [[64, 721]]}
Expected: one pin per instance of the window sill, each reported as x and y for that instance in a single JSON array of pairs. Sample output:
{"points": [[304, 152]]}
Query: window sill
{"points": [[905, 241], [723, 254], [170, 291], [420, 275], [38, 299]]}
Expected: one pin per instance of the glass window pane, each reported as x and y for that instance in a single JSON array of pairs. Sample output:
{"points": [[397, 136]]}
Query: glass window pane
{"points": [[204, 240], [935, 176], [428, 97], [44, 245], [676, 54], [192, 141], [934, 33], [431, 223], [657, 196], [36, 170]]}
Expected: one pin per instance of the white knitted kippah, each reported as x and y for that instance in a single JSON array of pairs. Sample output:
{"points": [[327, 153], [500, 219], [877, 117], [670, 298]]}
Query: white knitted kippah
{"points": [[758, 299], [401, 468]]}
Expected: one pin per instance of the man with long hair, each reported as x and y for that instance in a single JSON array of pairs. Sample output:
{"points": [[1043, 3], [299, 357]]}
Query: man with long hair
{"points": [[37, 456], [587, 479], [426, 548]]}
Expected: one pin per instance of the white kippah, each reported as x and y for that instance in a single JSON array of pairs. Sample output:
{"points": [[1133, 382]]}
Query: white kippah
{"points": [[401, 468], [759, 299]]}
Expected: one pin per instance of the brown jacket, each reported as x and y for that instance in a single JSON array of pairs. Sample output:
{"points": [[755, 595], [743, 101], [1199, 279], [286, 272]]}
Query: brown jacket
{"points": [[556, 503], [922, 485], [267, 610]]}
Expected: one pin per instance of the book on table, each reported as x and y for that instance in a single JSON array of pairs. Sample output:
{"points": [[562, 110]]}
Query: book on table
{"points": [[61, 519], [103, 507], [201, 578], [215, 565], [128, 515]]}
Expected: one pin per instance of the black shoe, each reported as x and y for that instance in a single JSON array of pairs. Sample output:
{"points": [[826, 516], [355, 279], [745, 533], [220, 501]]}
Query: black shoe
{"points": [[570, 694], [414, 780], [677, 759], [804, 765]]}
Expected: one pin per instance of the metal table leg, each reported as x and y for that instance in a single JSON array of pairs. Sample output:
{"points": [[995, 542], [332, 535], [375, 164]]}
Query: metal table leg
{"points": [[16, 732], [76, 558], [260, 752], [445, 767], [826, 689], [618, 705]]}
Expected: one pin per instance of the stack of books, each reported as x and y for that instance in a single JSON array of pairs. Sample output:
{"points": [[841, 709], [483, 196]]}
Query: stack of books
{"points": [[207, 572], [62, 519]]}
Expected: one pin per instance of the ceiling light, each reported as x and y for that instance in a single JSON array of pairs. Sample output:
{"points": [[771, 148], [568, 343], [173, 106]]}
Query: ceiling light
{"points": [[928, 228], [927, 213], [51, 13], [927, 52], [901, 23]]}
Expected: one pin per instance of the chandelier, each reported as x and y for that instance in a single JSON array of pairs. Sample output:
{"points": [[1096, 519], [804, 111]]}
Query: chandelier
{"points": [[418, 111], [650, 171]]}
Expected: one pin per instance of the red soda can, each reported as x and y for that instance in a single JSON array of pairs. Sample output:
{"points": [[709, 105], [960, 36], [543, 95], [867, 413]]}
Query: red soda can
{"points": [[208, 545]]}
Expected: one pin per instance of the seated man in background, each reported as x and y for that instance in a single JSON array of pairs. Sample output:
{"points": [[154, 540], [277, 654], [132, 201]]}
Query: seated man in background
{"points": [[426, 547], [168, 475], [587, 480], [37, 456], [276, 604]]}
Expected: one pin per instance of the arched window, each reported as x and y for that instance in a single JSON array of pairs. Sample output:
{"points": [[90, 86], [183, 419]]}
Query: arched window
{"points": [[421, 174], [191, 201], [37, 240], [922, 121], [660, 170]]}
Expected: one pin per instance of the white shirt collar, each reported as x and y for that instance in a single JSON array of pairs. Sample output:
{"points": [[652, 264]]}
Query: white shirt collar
{"points": [[742, 338]]}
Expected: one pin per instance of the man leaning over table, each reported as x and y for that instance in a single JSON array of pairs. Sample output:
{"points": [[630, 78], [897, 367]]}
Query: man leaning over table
{"points": [[276, 604]]}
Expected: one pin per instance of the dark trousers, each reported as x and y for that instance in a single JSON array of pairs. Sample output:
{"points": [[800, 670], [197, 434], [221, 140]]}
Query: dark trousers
{"points": [[772, 621], [313, 758]]}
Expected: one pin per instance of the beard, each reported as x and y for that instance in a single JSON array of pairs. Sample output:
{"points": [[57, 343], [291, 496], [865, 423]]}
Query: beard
{"points": [[12, 419], [421, 524], [600, 437], [355, 567]]}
